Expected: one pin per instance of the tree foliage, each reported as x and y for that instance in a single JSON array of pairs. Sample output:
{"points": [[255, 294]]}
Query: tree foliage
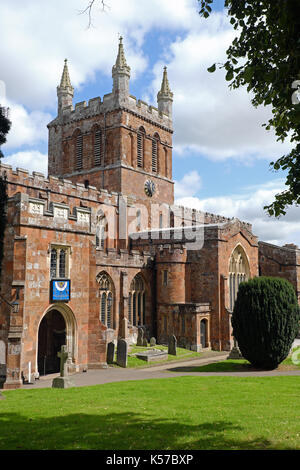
{"points": [[265, 320], [265, 58], [4, 129]]}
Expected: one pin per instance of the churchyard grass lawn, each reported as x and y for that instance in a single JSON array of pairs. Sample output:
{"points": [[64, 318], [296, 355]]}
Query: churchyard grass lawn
{"points": [[161, 414]]}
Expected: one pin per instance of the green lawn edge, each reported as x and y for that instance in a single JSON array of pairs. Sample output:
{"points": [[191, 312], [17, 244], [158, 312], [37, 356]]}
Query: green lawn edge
{"points": [[186, 413]]}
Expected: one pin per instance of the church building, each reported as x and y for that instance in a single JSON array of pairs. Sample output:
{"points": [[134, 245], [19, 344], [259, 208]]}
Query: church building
{"points": [[98, 249]]}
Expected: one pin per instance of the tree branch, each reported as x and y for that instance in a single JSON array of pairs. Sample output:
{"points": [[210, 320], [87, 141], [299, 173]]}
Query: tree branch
{"points": [[90, 7]]}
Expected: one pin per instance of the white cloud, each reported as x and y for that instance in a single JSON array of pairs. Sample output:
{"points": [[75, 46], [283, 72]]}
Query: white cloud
{"points": [[209, 118], [31, 160], [188, 185], [28, 127], [39, 35], [249, 208]]}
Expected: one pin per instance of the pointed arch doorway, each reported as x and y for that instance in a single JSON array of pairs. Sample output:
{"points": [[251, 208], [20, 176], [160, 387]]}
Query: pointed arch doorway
{"points": [[52, 335], [57, 327]]}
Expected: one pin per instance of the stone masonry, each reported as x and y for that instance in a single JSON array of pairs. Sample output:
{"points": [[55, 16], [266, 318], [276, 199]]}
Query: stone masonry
{"points": [[104, 224]]}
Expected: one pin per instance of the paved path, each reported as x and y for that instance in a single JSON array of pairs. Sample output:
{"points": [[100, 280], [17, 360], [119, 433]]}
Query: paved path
{"points": [[113, 374]]}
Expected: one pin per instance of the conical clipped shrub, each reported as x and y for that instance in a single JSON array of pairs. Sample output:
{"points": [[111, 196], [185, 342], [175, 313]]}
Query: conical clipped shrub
{"points": [[265, 320]]}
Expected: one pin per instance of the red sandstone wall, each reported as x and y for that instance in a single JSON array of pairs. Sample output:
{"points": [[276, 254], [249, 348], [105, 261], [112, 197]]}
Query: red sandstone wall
{"points": [[280, 262]]}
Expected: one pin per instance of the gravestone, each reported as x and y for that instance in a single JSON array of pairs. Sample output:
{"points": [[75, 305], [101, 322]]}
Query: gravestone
{"points": [[110, 353], [172, 345], [152, 355], [152, 342], [235, 352], [122, 353], [140, 337], [145, 342], [63, 381]]}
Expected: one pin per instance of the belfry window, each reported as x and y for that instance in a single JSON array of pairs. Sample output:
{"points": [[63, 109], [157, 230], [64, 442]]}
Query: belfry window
{"points": [[98, 148], [239, 271], [79, 148], [106, 299], [140, 147], [155, 142], [137, 302], [59, 262]]}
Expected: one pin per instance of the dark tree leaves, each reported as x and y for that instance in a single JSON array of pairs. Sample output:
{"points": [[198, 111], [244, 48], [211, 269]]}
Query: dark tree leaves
{"points": [[4, 129], [265, 58]]}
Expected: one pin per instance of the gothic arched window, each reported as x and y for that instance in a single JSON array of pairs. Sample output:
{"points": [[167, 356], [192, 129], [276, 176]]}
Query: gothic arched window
{"points": [[137, 302], [59, 262], [106, 299], [239, 271]]}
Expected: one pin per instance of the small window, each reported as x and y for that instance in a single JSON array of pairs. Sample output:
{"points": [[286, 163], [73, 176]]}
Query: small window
{"points": [[137, 305], [53, 263], [59, 262], [106, 300], [62, 263]]}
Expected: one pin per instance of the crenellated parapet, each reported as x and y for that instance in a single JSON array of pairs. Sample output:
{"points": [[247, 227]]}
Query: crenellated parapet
{"points": [[38, 185], [97, 107], [125, 257], [190, 216]]}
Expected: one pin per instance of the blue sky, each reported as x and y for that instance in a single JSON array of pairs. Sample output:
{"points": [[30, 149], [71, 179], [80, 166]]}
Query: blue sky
{"points": [[221, 153]]}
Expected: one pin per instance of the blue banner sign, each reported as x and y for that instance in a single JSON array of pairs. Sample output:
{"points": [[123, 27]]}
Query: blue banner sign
{"points": [[60, 290]]}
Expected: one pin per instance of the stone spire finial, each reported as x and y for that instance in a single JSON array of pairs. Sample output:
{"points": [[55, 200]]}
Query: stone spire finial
{"points": [[65, 91], [121, 64], [121, 76], [65, 78], [165, 87], [165, 96]]}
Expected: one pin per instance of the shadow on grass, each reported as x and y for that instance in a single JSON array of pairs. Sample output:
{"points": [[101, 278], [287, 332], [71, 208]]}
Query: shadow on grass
{"points": [[223, 366], [121, 431], [239, 365]]}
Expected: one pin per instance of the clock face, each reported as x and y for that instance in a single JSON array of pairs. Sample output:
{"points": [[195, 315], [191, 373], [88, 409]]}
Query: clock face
{"points": [[149, 188]]}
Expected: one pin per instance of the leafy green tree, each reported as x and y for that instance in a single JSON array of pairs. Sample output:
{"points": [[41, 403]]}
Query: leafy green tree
{"points": [[4, 129], [265, 320], [265, 58]]}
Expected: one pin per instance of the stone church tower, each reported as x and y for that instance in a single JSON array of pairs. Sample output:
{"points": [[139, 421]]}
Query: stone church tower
{"points": [[119, 144]]}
